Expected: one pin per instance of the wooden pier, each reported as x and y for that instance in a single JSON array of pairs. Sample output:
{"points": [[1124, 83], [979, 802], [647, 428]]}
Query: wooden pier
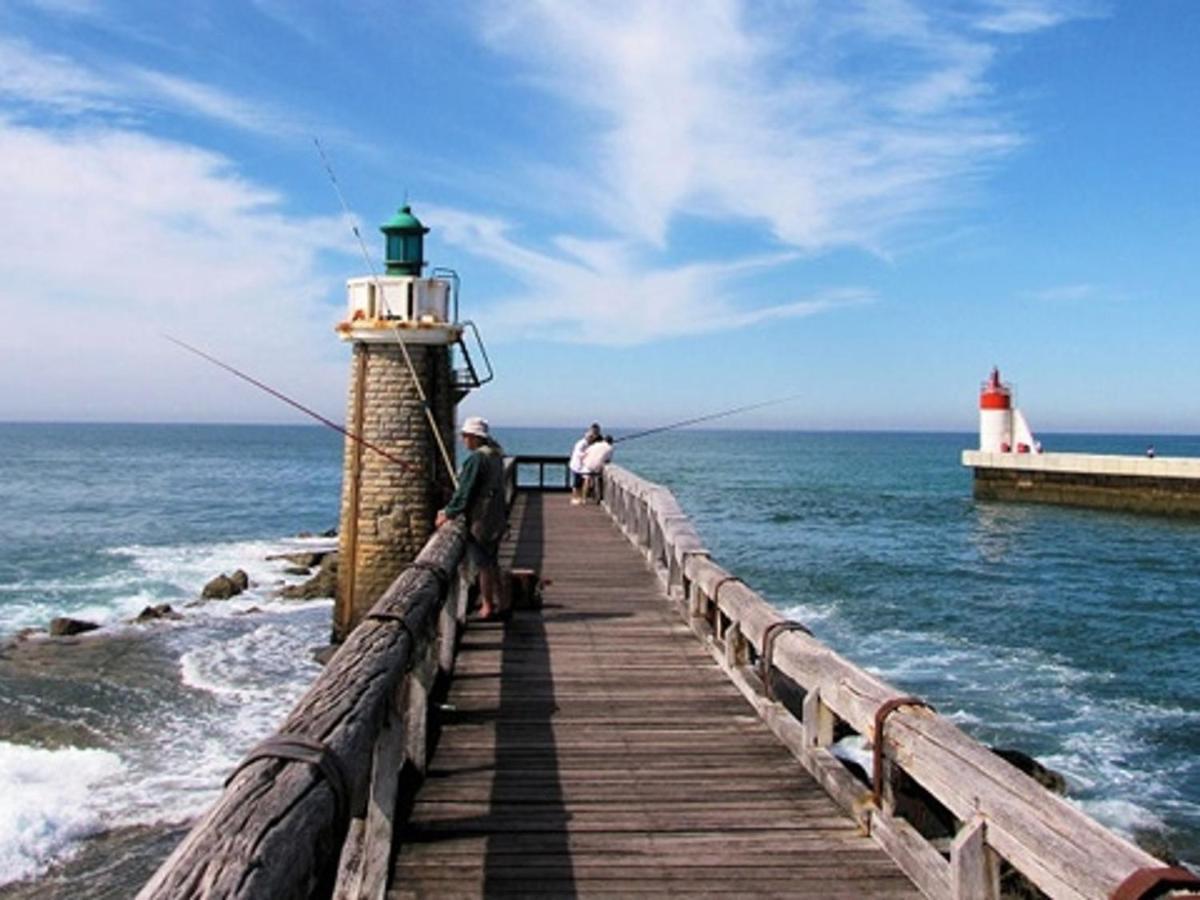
{"points": [[655, 728], [594, 747]]}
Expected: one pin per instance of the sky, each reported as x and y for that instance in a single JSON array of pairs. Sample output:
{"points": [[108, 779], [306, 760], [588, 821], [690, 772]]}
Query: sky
{"points": [[658, 210]]}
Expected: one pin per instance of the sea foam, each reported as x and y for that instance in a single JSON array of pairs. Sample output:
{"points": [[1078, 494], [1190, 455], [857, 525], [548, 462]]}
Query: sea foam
{"points": [[47, 804]]}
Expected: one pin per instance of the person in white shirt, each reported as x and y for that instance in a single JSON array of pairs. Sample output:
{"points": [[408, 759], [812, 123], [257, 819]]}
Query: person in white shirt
{"points": [[595, 458], [576, 464]]}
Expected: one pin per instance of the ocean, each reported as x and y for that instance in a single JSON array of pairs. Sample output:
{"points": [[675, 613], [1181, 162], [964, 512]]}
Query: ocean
{"points": [[1065, 633]]}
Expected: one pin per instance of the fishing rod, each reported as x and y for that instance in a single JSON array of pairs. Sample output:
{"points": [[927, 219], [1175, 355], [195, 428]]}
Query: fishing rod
{"points": [[707, 418], [290, 402]]}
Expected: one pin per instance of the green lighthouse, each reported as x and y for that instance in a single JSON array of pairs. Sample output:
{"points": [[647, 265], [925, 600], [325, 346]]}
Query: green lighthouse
{"points": [[405, 249]]}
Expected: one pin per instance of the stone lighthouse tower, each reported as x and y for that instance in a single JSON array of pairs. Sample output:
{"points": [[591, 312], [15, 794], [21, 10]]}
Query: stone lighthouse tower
{"points": [[402, 327]]}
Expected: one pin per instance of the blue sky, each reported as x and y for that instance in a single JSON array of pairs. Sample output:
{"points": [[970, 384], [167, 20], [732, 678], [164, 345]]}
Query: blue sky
{"points": [[657, 209]]}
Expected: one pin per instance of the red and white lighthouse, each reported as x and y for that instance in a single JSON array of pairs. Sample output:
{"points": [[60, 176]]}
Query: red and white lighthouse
{"points": [[995, 415], [1002, 427]]}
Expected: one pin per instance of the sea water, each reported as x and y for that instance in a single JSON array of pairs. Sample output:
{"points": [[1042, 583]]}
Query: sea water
{"points": [[1064, 633]]}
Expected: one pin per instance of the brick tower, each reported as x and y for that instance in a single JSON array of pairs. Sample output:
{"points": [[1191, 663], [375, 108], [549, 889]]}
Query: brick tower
{"points": [[402, 326]]}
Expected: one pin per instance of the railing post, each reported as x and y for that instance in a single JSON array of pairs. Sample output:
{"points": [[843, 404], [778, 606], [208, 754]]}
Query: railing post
{"points": [[735, 646], [974, 866], [818, 721]]}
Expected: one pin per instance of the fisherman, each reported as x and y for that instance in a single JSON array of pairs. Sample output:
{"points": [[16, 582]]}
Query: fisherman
{"points": [[480, 498], [595, 458], [576, 463]]}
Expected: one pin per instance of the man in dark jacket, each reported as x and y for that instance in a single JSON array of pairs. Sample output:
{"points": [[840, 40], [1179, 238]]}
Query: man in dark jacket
{"points": [[480, 498]]}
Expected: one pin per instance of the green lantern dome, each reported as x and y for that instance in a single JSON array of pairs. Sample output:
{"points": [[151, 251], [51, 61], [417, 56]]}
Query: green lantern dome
{"points": [[405, 243]]}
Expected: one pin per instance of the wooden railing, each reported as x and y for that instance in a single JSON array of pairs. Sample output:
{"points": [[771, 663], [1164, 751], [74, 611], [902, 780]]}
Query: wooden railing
{"points": [[309, 812], [998, 811]]}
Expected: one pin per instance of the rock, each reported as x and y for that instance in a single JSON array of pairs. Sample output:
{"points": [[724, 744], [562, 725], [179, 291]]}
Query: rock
{"points": [[220, 588], [26, 633], [323, 584], [64, 626], [297, 570], [329, 533], [248, 612], [241, 579], [1047, 778], [160, 611]]}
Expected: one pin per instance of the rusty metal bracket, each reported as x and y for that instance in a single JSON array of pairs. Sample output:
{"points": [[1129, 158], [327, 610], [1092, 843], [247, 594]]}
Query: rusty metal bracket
{"points": [[881, 714], [302, 748], [716, 594], [768, 650], [1151, 882]]}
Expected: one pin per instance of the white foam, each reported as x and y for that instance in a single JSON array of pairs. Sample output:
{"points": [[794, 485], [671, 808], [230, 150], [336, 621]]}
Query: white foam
{"points": [[47, 804]]}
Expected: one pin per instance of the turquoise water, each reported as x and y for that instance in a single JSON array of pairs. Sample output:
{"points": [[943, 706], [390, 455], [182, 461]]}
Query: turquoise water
{"points": [[1065, 633]]}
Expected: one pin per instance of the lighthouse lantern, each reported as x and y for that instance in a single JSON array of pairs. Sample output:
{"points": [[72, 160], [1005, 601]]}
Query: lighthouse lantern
{"points": [[405, 248]]}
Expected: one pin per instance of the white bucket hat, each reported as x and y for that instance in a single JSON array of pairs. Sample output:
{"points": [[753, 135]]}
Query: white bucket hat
{"points": [[476, 425]]}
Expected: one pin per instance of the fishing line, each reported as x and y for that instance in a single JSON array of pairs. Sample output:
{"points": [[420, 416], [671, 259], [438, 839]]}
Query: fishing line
{"points": [[290, 402], [412, 371], [705, 418]]}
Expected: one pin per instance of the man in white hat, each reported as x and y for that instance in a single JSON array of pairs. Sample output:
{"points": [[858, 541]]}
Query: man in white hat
{"points": [[480, 498]]}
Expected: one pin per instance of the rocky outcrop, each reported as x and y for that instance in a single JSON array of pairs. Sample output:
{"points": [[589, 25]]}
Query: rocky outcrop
{"points": [[240, 580], [64, 626], [323, 584], [160, 611], [220, 588]]}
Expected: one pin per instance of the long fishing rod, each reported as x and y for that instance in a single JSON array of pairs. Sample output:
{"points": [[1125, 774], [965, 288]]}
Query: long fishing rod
{"points": [[707, 418], [379, 292], [290, 402]]}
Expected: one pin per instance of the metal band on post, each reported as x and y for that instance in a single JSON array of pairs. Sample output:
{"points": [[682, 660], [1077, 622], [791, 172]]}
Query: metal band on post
{"points": [[302, 748], [881, 714], [768, 650], [1155, 882]]}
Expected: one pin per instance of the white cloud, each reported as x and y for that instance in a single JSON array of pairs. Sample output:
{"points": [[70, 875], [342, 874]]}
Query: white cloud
{"points": [[597, 293], [31, 76], [1023, 16], [111, 237]]}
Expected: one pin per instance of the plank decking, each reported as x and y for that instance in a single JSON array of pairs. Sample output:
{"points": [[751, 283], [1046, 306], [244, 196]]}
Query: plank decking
{"points": [[594, 748]]}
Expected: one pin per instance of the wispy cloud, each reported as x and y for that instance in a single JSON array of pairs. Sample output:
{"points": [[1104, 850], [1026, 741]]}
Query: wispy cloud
{"points": [[832, 125], [597, 292], [825, 125], [34, 80], [1022, 16]]}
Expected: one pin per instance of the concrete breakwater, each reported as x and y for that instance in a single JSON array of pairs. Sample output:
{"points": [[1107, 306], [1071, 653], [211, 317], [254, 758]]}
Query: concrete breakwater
{"points": [[1166, 486]]}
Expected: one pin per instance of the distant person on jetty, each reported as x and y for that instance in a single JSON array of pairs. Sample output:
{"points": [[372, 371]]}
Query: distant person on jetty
{"points": [[576, 464], [480, 497], [595, 458]]}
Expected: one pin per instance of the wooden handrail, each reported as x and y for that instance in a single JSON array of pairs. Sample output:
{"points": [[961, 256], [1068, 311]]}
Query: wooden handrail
{"points": [[280, 827], [1002, 812]]}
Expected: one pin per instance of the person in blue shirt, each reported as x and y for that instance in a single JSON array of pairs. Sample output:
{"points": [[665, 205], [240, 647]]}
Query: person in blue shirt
{"points": [[480, 500]]}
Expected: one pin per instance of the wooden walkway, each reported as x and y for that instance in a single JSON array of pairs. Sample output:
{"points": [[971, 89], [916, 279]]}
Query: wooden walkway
{"points": [[595, 748]]}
